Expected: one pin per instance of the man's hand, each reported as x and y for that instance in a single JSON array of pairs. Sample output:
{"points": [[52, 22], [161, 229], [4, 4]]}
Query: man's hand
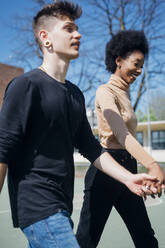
{"points": [[136, 184]]}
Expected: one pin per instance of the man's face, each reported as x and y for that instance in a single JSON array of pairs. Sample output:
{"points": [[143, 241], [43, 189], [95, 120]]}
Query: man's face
{"points": [[65, 38], [131, 66]]}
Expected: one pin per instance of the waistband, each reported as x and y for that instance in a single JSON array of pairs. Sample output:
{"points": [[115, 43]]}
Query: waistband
{"points": [[118, 151]]}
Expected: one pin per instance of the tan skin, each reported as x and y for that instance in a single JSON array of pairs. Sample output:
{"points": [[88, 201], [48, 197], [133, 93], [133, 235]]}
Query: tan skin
{"points": [[129, 68]]}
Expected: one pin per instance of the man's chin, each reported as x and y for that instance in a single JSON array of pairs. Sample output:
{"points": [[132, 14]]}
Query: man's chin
{"points": [[74, 56]]}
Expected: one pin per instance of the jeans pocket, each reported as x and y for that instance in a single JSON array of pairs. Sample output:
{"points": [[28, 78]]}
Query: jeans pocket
{"points": [[30, 235]]}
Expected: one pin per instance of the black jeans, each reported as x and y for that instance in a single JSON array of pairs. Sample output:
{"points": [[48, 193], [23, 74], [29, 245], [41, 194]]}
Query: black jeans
{"points": [[101, 194]]}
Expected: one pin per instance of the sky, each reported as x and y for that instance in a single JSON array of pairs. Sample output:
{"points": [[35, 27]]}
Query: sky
{"points": [[8, 11], [8, 40]]}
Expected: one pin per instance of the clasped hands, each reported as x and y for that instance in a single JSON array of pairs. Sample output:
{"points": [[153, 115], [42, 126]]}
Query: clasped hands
{"points": [[155, 187], [143, 184]]}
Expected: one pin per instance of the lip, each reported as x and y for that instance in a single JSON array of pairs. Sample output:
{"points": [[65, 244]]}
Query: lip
{"points": [[134, 75], [77, 44]]}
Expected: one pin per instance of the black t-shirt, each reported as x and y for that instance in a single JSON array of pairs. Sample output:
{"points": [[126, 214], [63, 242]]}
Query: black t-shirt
{"points": [[41, 121]]}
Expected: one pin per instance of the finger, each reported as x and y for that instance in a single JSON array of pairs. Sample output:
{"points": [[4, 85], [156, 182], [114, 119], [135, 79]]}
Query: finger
{"points": [[159, 189], [145, 197], [153, 196], [146, 190], [144, 182], [139, 192], [147, 177], [163, 186], [153, 189]]}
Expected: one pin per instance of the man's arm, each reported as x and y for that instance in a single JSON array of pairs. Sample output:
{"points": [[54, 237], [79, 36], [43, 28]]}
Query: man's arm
{"points": [[3, 169], [134, 182]]}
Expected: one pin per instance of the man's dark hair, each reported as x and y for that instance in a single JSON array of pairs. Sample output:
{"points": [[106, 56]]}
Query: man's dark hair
{"points": [[122, 44], [59, 9]]}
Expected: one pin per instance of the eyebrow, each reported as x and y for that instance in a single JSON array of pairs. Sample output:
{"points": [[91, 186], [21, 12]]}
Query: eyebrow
{"points": [[70, 24], [138, 60]]}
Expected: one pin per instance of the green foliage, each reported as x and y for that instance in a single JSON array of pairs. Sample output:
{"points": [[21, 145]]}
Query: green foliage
{"points": [[143, 117]]}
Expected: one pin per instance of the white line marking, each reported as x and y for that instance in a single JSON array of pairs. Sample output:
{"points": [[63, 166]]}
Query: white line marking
{"points": [[4, 211], [153, 202]]}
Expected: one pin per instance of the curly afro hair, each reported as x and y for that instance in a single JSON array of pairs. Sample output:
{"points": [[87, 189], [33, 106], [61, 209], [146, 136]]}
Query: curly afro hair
{"points": [[123, 43]]}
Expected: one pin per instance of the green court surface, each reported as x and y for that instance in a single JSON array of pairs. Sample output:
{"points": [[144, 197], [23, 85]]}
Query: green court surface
{"points": [[115, 234]]}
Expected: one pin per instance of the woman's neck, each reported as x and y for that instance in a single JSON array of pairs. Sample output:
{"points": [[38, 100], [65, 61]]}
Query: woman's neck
{"points": [[119, 82]]}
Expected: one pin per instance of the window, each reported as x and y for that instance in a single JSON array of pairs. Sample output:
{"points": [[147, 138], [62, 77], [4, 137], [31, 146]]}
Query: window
{"points": [[139, 137], [158, 140]]}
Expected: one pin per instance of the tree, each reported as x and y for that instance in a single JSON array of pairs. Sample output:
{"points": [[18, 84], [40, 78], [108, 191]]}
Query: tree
{"points": [[106, 17], [101, 20], [157, 104], [156, 108], [143, 117]]}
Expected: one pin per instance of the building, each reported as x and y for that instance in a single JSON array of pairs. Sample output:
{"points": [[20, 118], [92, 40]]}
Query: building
{"points": [[7, 73], [157, 142], [156, 145]]}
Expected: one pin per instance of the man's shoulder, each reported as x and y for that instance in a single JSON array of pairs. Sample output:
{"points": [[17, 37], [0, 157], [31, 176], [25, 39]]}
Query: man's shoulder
{"points": [[75, 88], [22, 82], [27, 76]]}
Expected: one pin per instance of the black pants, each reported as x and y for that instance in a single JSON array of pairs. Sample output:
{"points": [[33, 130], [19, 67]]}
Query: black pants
{"points": [[101, 194]]}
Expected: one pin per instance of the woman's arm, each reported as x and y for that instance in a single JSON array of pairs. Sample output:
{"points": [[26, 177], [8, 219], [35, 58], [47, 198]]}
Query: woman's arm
{"points": [[110, 111], [3, 169], [134, 182]]}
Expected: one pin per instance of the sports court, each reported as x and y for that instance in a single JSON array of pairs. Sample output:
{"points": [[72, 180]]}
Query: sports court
{"points": [[115, 234]]}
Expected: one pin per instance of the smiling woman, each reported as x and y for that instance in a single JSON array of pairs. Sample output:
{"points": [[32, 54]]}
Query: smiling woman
{"points": [[117, 122], [130, 67]]}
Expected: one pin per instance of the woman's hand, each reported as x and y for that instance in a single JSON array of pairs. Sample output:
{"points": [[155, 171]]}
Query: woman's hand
{"points": [[156, 170], [136, 184]]}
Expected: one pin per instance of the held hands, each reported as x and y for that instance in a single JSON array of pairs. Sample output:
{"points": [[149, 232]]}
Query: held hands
{"points": [[156, 187], [136, 184]]}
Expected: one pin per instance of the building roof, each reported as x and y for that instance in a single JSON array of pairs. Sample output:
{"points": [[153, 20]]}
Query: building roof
{"points": [[7, 73], [154, 125]]}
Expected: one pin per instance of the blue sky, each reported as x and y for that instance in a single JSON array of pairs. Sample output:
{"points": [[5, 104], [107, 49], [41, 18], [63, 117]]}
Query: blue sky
{"points": [[8, 40], [8, 11]]}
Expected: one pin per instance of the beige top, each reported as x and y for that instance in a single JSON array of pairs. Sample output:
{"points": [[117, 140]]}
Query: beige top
{"points": [[117, 121]]}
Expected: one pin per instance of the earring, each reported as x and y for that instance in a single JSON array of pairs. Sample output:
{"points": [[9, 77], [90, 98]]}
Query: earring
{"points": [[119, 66], [47, 43]]}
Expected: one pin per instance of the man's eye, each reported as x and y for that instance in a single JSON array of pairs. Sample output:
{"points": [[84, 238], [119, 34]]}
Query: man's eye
{"points": [[69, 29]]}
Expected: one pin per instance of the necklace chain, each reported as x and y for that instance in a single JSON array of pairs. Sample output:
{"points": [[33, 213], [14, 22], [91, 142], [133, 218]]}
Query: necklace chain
{"points": [[42, 68]]}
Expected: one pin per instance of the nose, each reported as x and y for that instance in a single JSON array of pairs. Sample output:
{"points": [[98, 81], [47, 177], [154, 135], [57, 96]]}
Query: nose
{"points": [[139, 70], [77, 35]]}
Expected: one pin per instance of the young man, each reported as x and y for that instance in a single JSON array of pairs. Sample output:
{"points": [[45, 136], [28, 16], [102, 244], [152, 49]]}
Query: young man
{"points": [[42, 119]]}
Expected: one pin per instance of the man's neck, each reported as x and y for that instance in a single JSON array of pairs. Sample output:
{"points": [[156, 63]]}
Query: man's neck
{"points": [[56, 67]]}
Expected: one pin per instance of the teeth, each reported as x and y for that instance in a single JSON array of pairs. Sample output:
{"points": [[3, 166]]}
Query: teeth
{"points": [[134, 75]]}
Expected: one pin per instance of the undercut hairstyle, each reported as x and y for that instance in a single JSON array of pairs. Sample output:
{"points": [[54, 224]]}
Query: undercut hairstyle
{"points": [[59, 9], [123, 44]]}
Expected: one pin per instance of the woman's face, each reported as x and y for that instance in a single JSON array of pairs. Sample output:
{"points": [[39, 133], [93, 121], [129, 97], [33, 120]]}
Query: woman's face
{"points": [[130, 68]]}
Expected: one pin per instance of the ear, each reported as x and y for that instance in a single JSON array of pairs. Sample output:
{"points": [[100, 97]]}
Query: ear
{"points": [[43, 35], [118, 61]]}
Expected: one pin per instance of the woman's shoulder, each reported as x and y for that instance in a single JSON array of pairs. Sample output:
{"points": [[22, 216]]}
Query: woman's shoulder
{"points": [[105, 89]]}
